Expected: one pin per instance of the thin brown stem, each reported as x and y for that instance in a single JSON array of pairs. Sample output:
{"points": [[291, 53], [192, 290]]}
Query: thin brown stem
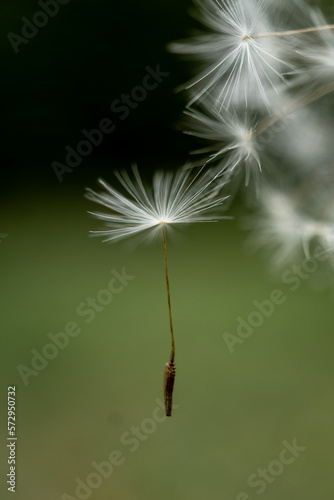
{"points": [[292, 32], [172, 355]]}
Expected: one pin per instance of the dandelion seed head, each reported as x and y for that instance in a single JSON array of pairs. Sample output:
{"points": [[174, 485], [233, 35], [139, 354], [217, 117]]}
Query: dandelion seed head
{"points": [[235, 60], [283, 226], [233, 143], [180, 198], [317, 58], [245, 137]]}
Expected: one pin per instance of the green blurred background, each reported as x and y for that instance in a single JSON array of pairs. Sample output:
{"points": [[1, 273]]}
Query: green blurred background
{"points": [[235, 410]]}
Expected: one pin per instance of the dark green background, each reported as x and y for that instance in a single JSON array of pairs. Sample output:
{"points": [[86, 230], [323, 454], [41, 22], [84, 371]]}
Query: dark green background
{"points": [[67, 76], [234, 409]]}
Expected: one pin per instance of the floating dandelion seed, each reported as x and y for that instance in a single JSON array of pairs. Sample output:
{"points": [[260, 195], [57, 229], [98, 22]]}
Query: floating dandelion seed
{"points": [[237, 51], [317, 58], [233, 140], [246, 57], [180, 198], [286, 228]]}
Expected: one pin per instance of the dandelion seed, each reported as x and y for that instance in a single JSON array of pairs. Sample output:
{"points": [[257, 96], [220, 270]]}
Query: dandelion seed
{"points": [[180, 198], [233, 140], [175, 199], [236, 60], [283, 226], [317, 57]]}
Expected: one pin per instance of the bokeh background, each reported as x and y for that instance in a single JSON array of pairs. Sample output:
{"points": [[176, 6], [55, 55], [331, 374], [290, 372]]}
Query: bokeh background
{"points": [[234, 410]]}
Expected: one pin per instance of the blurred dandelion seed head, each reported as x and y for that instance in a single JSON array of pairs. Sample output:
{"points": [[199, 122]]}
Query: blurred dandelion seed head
{"points": [[283, 226]]}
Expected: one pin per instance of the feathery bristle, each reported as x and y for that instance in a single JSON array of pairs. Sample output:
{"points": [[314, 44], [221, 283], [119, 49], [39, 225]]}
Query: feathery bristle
{"points": [[180, 198]]}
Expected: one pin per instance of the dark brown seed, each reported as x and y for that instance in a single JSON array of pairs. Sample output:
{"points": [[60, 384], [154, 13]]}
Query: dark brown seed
{"points": [[169, 385]]}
